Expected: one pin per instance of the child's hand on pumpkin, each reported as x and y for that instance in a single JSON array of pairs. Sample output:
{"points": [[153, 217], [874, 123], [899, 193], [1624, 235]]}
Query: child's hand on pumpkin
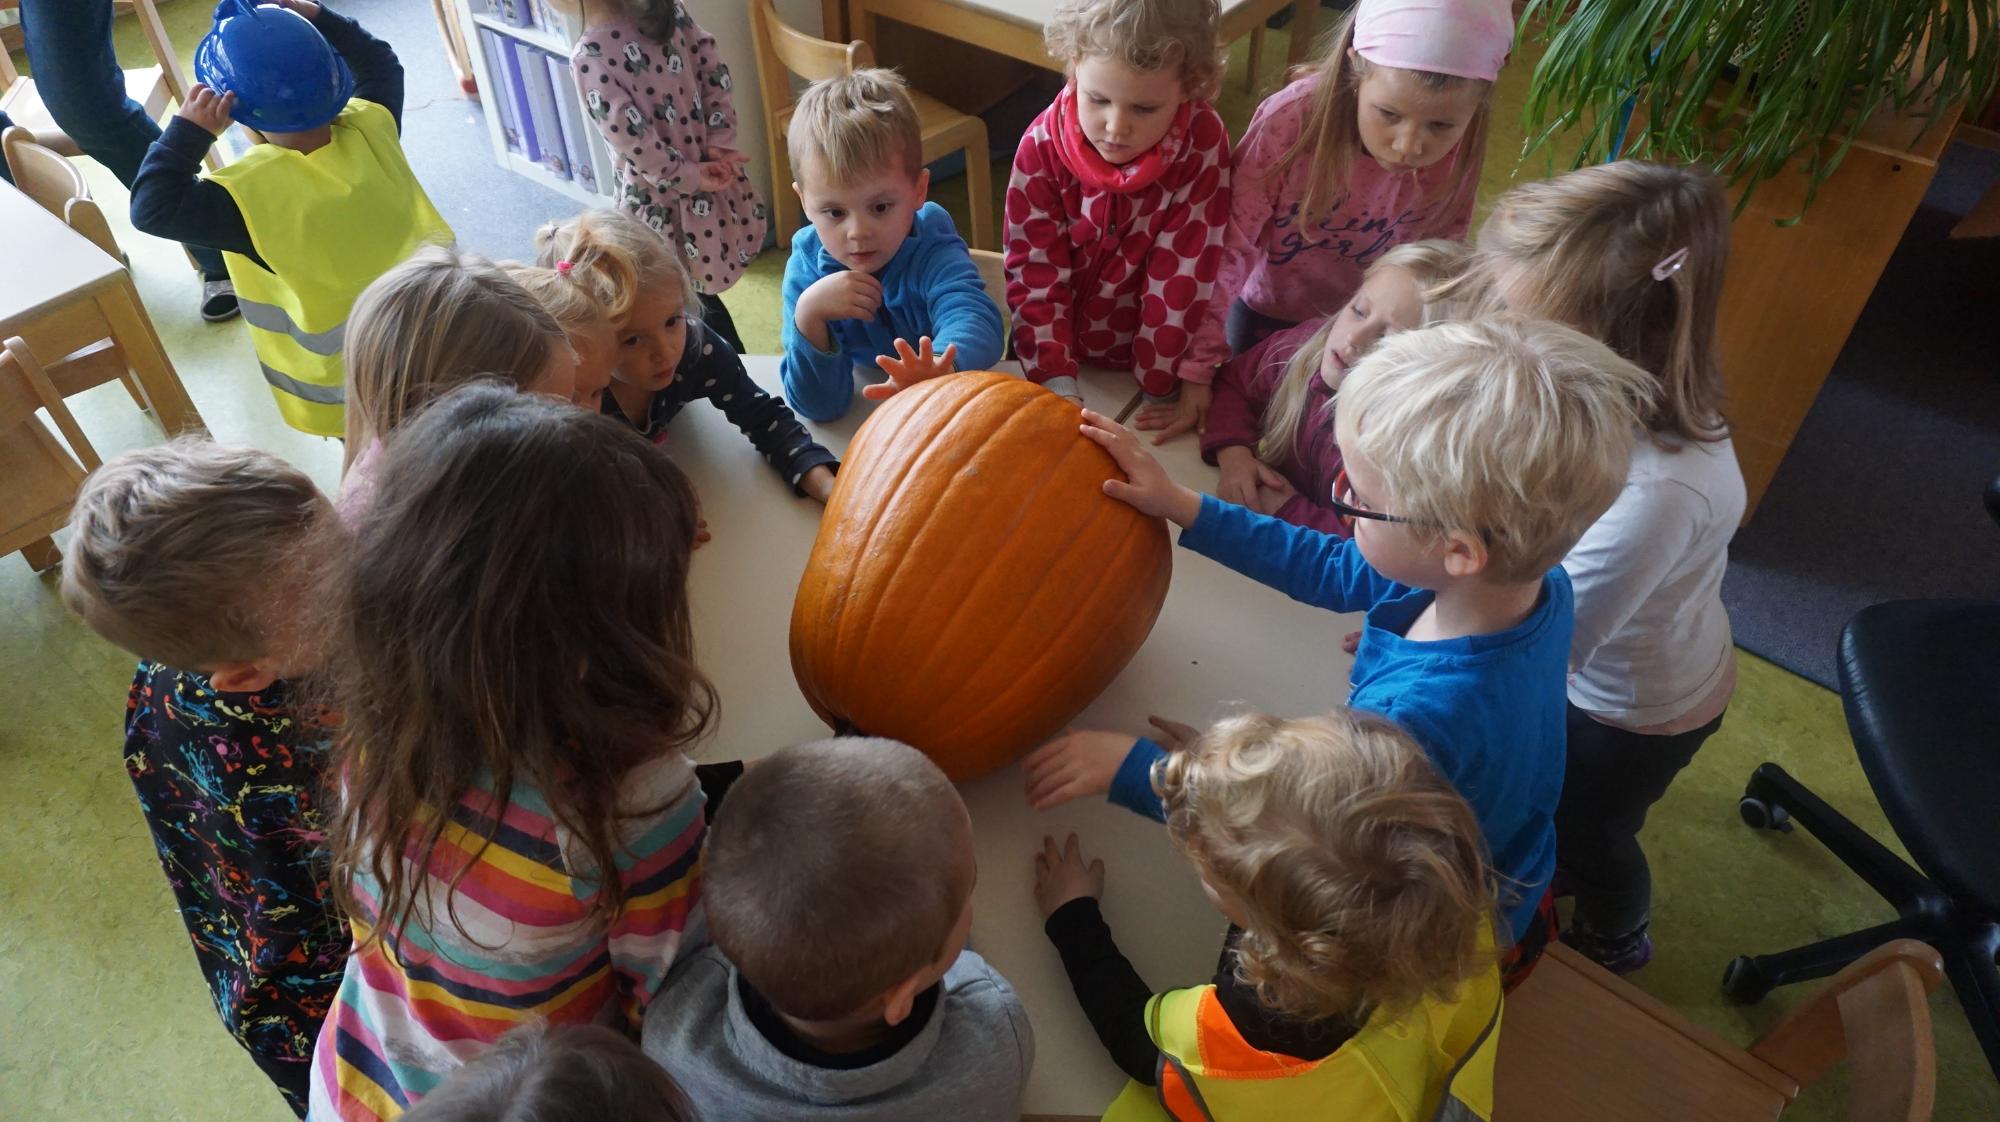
{"points": [[1189, 412], [911, 366], [1061, 875], [1074, 765], [208, 109], [1146, 485], [818, 484]]}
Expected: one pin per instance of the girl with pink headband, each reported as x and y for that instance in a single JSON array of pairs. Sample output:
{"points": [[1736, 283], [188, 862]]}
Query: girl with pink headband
{"points": [[1378, 144]]}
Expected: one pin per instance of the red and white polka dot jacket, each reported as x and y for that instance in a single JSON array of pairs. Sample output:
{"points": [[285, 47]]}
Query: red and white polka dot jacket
{"points": [[1113, 265]]}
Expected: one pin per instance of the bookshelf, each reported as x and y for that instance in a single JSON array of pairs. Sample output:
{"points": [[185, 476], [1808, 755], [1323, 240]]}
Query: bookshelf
{"points": [[535, 120]]}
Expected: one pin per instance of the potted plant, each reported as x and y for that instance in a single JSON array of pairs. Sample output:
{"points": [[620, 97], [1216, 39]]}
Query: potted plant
{"points": [[1825, 117]]}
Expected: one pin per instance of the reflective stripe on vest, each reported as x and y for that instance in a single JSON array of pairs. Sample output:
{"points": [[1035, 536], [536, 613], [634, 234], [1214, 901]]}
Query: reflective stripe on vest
{"points": [[327, 223]]}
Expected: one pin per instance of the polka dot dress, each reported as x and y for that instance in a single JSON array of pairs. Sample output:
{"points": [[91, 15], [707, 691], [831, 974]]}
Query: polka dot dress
{"points": [[1109, 273], [663, 109]]}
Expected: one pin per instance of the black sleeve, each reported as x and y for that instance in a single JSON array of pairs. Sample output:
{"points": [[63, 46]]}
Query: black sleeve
{"points": [[715, 780], [1111, 992], [378, 74], [717, 374], [171, 200]]}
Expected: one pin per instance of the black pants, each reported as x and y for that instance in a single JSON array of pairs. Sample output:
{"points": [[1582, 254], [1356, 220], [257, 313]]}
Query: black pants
{"points": [[715, 317], [1613, 777]]}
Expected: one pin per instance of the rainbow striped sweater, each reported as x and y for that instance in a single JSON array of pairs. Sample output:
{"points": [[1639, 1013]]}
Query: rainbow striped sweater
{"points": [[423, 1000]]}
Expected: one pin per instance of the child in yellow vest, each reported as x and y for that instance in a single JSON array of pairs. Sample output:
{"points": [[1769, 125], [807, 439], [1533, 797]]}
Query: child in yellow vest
{"points": [[1364, 984], [308, 218]]}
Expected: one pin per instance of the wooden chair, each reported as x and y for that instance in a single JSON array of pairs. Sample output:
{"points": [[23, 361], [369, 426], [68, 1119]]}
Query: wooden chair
{"points": [[993, 274], [1578, 1042], [784, 51], [56, 184], [39, 478]]}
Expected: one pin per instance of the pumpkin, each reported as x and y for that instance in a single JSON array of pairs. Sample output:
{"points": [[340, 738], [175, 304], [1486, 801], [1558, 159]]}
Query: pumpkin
{"points": [[972, 587]]}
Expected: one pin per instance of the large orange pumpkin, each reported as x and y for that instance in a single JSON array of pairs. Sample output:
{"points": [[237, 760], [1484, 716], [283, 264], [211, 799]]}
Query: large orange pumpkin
{"points": [[972, 587]]}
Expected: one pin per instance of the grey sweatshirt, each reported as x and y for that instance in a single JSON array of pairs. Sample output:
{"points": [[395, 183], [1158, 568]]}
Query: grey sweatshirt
{"points": [[969, 1061]]}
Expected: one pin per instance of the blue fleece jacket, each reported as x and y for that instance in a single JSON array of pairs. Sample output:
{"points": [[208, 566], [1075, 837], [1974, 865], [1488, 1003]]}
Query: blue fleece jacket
{"points": [[930, 287], [1488, 709]]}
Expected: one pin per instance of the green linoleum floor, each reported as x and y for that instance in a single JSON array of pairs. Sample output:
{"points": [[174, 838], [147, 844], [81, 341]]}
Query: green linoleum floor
{"points": [[103, 1014]]}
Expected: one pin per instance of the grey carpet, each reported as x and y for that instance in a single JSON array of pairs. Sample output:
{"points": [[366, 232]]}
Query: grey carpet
{"points": [[1880, 495]]}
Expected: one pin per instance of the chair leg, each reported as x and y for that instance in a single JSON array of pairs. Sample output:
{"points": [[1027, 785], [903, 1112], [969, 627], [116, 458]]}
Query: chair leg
{"points": [[1748, 978], [1903, 887], [42, 554], [1255, 60], [138, 395], [1969, 963], [979, 190]]}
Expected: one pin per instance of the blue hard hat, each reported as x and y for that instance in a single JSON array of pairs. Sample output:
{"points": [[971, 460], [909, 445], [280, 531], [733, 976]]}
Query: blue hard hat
{"points": [[285, 75]]}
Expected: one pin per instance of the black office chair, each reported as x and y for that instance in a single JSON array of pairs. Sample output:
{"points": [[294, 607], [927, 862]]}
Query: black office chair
{"points": [[1920, 680]]}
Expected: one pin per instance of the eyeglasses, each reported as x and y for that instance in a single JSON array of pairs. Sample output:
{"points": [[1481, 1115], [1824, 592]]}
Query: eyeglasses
{"points": [[1343, 505]]}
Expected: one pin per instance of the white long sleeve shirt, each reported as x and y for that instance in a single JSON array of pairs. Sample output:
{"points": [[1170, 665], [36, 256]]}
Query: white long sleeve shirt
{"points": [[1652, 641]]}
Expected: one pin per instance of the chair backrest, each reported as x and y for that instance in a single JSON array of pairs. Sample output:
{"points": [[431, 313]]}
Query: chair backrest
{"points": [[1580, 1042], [43, 174], [85, 217], [993, 274], [784, 50], [39, 478]]}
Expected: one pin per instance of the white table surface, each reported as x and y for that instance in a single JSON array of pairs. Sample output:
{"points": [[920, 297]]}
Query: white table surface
{"points": [[1221, 642], [42, 260]]}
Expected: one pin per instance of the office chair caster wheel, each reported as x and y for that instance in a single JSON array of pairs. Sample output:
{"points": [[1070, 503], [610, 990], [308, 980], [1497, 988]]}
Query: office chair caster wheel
{"points": [[1743, 981], [1760, 815]]}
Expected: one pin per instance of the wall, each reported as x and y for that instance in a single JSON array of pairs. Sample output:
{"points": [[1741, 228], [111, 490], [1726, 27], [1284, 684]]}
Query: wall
{"points": [[729, 22]]}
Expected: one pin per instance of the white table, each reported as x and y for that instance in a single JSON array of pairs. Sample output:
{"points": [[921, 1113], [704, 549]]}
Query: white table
{"points": [[1222, 641]]}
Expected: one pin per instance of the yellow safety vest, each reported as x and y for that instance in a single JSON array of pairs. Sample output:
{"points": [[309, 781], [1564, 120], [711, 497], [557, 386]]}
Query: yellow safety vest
{"points": [[328, 222], [1433, 1064]]}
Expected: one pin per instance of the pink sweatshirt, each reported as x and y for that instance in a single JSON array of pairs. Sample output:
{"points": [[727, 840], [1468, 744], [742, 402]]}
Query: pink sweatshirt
{"points": [[1293, 274], [1244, 390]]}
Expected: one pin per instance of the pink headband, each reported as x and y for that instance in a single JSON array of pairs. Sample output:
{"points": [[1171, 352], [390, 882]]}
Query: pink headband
{"points": [[1463, 38]]}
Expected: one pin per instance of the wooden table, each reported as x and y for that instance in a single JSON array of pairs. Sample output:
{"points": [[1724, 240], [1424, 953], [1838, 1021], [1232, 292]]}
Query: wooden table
{"points": [[60, 292], [1014, 27], [1222, 641]]}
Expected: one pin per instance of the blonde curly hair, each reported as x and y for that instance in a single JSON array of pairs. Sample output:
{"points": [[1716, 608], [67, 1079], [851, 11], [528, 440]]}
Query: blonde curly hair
{"points": [[1144, 35], [1361, 873]]}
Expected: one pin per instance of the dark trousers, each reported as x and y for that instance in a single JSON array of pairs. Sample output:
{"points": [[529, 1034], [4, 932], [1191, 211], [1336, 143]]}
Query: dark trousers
{"points": [[1613, 777], [715, 317], [1247, 327], [79, 79]]}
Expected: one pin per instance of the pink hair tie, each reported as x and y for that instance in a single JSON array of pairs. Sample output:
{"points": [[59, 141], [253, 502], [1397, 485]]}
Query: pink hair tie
{"points": [[1463, 38], [564, 267]]}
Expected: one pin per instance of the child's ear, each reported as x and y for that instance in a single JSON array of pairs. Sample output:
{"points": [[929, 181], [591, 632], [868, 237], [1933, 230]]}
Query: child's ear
{"points": [[899, 1001], [923, 186], [242, 676], [796, 191], [1464, 554]]}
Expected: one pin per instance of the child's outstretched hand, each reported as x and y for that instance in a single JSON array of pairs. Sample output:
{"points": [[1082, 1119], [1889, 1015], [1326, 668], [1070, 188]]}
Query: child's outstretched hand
{"points": [[1073, 766], [208, 109], [818, 484], [1146, 485], [1061, 876], [1188, 413], [911, 366]]}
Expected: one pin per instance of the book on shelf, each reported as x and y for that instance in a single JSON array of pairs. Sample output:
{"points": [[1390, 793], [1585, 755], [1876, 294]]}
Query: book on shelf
{"points": [[545, 124], [576, 138], [517, 92], [501, 98]]}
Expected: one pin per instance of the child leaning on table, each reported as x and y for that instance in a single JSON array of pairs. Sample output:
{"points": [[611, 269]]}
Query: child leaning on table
{"points": [[1119, 204], [879, 269], [519, 831], [1270, 428], [656, 86], [663, 355], [1363, 985], [584, 325], [1476, 455], [193, 555], [427, 327], [837, 884], [308, 218], [1634, 253], [1378, 144]]}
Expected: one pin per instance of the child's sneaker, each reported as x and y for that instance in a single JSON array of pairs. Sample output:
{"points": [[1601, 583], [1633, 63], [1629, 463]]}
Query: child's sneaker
{"points": [[1620, 956]]}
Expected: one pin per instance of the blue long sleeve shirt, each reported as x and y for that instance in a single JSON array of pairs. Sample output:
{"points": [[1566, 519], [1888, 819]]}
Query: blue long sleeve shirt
{"points": [[930, 287], [1488, 709]]}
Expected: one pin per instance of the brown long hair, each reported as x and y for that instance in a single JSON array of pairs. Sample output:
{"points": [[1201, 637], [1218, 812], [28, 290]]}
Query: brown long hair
{"points": [[515, 606], [1582, 249], [1332, 134]]}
